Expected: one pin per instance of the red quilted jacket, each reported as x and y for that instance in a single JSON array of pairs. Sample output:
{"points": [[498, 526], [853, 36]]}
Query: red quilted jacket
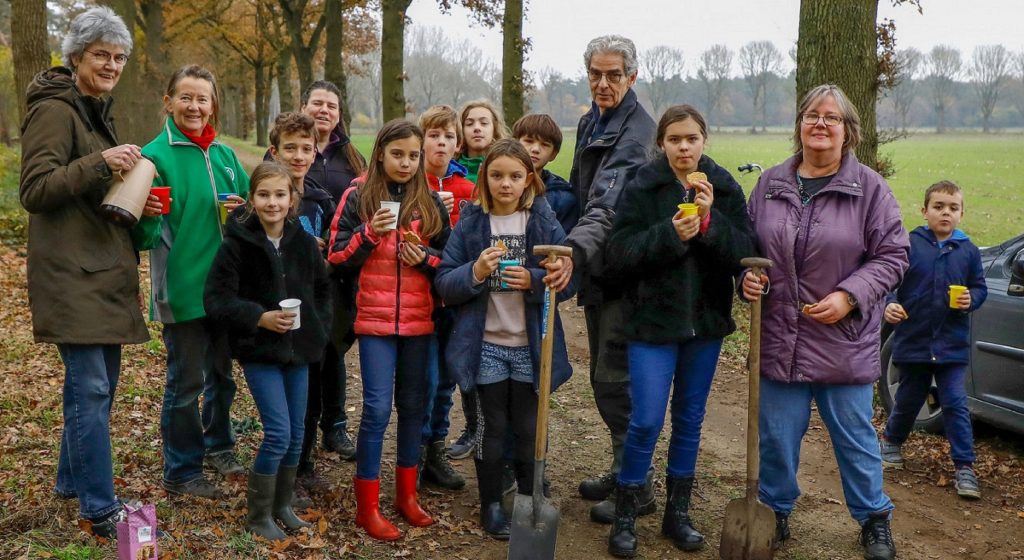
{"points": [[392, 299]]}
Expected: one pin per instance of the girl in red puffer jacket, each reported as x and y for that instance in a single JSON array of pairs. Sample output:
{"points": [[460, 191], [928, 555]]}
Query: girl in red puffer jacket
{"points": [[391, 231]]}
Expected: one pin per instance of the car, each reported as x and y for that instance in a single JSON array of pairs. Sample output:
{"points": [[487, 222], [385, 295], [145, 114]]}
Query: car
{"points": [[995, 376]]}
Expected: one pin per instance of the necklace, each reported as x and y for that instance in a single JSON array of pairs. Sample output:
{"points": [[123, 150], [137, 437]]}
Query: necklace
{"points": [[805, 197]]}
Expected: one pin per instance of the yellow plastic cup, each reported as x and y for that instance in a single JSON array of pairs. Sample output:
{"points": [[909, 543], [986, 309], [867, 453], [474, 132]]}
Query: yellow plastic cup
{"points": [[954, 294], [688, 209]]}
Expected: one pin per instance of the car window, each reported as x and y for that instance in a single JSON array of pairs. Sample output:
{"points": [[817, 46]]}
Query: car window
{"points": [[1004, 264]]}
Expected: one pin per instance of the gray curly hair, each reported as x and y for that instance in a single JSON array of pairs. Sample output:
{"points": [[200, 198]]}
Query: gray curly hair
{"points": [[96, 24], [613, 44]]}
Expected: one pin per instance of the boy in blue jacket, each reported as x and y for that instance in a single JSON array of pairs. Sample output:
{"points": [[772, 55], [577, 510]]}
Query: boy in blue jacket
{"points": [[932, 336], [542, 138]]}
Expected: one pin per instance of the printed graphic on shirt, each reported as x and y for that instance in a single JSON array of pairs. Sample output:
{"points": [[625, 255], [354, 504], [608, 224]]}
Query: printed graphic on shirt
{"points": [[516, 251]]}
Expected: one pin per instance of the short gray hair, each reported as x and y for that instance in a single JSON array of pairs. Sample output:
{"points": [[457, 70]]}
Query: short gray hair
{"points": [[613, 44], [847, 110], [95, 24]]}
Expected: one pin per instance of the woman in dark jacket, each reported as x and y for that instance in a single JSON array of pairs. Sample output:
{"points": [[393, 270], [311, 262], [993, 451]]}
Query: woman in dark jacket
{"points": [[83, 276], [265, 259], [681, 264]]}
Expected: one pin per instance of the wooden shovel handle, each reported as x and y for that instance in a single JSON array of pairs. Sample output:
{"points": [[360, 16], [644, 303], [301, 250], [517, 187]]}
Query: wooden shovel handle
{"points": [[546, 350], [756, 265]]}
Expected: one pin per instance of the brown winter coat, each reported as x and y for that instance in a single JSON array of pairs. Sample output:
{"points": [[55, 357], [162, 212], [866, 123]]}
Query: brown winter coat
{"points": [[83, 278]]}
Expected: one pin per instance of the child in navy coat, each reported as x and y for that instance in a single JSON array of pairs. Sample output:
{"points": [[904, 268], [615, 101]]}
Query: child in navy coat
{"points": [[490, 275], [932, 336]]}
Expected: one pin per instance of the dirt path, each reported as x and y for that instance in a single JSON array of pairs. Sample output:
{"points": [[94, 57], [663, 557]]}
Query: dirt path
{"points": [[930, 522]]}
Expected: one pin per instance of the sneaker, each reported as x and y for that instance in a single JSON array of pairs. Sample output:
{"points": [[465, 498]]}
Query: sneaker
{"points": [[338, 441], [225, 463], [967, 484], [781, 529], [199, 487], [464, 446], [892, 454], [106, 526], [876, 537]]}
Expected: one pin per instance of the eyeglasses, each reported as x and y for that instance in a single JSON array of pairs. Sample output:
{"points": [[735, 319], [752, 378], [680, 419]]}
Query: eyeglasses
{"points": [[119, 59], [611, 77], [811, 119]]}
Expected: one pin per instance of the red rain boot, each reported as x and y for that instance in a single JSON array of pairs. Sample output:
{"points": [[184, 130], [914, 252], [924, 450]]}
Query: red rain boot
{"points": [[405, 498], [368, 510]]}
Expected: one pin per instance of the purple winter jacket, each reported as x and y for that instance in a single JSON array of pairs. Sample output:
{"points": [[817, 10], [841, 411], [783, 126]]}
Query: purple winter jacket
{"points": [[850, 237]]}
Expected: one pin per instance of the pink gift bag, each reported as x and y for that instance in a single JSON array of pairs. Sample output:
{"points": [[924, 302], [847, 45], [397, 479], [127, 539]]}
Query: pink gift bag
{"points": [[136, 537]]}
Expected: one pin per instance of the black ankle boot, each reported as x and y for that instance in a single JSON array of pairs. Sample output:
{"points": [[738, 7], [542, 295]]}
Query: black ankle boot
{"points": [[781, 529], [676, 523], [876, 537], [622, 538], [493, 519]]}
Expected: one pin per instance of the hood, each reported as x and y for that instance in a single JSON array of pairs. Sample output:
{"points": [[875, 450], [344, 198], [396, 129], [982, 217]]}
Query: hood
{"points": [[59, 83], [311, 190], [924, 231], [337, 140], [657, 173], [250, 230], [455, 168]]}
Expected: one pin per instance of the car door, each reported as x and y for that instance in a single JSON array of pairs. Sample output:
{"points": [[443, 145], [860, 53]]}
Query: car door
{"points": [[997, 338]]}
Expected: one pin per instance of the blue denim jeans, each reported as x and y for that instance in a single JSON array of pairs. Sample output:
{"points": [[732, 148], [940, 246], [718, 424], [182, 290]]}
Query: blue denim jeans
{"points": [[198, 360], [392, 368], [915, 382], [280, 393], [440, 388], [846, 411], [686, 369], [85, 466]]}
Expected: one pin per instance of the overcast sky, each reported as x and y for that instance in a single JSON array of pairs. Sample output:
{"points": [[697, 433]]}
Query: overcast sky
{"points": [[560, 29]]}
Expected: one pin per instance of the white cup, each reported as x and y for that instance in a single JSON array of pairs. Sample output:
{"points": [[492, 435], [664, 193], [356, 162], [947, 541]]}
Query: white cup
{"points": [[395, 207], [292, 305]]}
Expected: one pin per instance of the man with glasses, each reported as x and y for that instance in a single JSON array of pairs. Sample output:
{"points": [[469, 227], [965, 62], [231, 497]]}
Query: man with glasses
{"points": [[613, 140]]}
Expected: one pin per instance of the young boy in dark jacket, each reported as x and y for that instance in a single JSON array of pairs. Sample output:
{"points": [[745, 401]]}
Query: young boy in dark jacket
{"points": [[932, 337], [542, 138]]}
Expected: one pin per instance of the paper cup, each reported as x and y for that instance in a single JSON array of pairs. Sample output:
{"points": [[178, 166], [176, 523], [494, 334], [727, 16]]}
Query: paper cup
{"points": [[164, 194], [954, 293], [395, 207], [688, 209], [502, 265], [292, 305]]}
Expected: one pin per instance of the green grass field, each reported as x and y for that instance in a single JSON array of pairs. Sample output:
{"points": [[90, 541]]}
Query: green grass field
{"points": [[990, 169]]}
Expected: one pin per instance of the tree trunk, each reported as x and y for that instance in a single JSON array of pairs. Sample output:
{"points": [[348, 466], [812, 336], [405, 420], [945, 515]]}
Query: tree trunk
{"points": [[334, 60], [262, 102], [284, 80], [130, 108], [392, 53], [838, 45], [28, 44], [513, 80]]}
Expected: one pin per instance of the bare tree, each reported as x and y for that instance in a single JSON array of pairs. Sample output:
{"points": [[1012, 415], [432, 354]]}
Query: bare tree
{"points": [[661, 65], [715, 67], [758, 61], [427, 55], [990, 69], [1018, 72], [944, 67], [908, 66]]}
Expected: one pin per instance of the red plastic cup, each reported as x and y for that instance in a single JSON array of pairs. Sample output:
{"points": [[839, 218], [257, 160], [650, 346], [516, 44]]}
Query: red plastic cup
{"points": [[164, 194]]}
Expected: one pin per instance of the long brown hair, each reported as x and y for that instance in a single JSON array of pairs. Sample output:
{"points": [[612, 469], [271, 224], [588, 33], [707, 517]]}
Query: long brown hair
{"points": [[510, 148], [418, 195], [500, 130]]}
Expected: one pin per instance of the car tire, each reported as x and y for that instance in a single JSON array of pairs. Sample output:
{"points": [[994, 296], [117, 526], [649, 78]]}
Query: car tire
{"points": [[930, 417]]}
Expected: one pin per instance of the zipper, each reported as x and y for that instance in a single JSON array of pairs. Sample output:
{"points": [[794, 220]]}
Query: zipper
{"points": [[398, 270]]}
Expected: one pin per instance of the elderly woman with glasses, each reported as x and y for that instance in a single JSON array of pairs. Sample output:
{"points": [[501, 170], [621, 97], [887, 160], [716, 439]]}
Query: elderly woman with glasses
{"points": [[834, 231], [83, 277]]}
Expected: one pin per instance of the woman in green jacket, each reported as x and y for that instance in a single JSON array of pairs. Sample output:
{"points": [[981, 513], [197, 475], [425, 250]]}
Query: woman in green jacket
{"points": [[183, 242]]}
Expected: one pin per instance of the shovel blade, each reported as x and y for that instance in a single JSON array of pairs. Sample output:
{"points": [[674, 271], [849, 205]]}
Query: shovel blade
{"points": [[533, 532], [748, 531]]}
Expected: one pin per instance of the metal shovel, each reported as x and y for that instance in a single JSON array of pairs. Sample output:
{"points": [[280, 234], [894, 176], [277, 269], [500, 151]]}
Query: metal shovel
{"points": [[534, 519], [749, 524]]}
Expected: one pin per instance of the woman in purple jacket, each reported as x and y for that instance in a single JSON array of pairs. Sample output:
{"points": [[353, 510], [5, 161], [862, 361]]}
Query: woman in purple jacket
{"points": [[834, 231]]}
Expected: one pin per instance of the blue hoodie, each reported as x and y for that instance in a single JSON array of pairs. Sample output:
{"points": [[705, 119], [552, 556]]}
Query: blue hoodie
{"points": [[934, 332]]}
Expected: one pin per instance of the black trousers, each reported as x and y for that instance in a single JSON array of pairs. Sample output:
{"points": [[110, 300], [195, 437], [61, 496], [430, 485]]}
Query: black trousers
{"points": [[609, 373], [503, 406]]}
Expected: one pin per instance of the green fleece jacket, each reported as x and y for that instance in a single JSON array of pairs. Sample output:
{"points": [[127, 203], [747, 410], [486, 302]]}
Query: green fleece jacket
{"points": [[183, 242]]}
